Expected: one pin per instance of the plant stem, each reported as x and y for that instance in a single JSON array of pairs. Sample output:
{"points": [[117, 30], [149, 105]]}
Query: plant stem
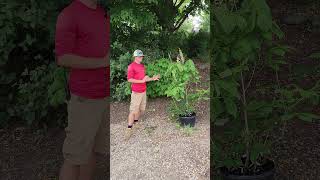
{"points": [[254, 68], [283, 103], [186, 94], [247, 132]]}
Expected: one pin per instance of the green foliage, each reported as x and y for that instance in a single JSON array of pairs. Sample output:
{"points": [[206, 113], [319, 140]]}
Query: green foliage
{"points": [[158, 88], [179, 75], [240, 33], [174, 77], [197, 45], [26, 49], [43, 89], [27, 42], [57, 90]]}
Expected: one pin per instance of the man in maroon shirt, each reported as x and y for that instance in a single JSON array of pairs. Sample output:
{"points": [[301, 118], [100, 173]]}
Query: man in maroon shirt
{"points": [[136, 76], [82, 44]]}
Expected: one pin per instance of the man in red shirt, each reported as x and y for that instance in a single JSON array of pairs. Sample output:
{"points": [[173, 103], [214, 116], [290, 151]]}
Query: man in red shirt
{"points": [[136, 76], [82, 44]]}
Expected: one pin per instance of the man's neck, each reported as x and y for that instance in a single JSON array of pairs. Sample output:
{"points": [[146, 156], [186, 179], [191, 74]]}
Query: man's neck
{"points": [[90, 3], [136, 62]]}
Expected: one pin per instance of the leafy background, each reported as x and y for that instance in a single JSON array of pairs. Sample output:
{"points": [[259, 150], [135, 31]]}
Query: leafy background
{"points": [[32, 85]]}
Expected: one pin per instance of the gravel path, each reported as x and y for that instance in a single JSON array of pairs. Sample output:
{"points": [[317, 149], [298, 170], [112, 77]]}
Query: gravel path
{"points": [[158, 150]]}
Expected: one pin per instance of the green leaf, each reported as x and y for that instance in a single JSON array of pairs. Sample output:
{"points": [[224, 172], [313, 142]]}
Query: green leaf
{"points": [[308, 117], [223, 57], [315, 55], [216, 89], [278, 51], [257, 149], [276, 30], [225, 73], [229, 86], [217, 106], [287, 117], [264, 17], [241, 48], [267, 35], [225, 18], [231, 107], [241, 21]]}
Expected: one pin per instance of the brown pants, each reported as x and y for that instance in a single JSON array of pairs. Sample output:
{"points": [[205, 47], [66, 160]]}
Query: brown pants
{"points": [[87, 129], [138, 101]]}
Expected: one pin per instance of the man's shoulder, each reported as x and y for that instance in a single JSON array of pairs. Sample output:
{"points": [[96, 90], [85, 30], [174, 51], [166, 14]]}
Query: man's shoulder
{"points": [[131, 65], [68, 11]]}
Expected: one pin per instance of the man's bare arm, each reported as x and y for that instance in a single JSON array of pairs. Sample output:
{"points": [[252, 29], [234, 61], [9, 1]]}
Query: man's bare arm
{"points": [[145, 79], [74, 61], [136, 81]]}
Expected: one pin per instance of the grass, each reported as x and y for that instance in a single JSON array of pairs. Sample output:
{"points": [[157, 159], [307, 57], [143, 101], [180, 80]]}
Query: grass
{"points": [[150, 129], [187, 130]]}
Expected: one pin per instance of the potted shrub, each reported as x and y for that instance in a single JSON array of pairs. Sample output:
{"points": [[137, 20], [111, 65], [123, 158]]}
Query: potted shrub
{"points": [[243, 46], [182, 73], [240, 31]]}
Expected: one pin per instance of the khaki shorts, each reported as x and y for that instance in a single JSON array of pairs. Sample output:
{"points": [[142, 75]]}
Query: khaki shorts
{"points": [[87, 129], [138, 101]]}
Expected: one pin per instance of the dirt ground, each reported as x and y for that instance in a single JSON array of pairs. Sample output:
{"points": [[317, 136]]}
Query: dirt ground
{"points": [[26, 155]]}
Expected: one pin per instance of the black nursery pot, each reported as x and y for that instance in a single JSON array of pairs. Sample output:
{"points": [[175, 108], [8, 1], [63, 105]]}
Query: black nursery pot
{"points": [[188, 120], [267, 174]]}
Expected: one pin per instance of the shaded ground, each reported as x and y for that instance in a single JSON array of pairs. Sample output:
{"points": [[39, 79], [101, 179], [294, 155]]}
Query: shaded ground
{"points": [[297, 154], [159, 150], [25, 155]]}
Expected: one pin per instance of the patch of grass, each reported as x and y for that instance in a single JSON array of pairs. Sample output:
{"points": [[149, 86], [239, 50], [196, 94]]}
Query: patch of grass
{"points": [[187, 130], [150, 129]]}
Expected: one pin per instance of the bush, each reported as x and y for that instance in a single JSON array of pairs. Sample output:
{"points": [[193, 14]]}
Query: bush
{"points": [[160, 88], [41, 92], [26, 42], [197, 45]]}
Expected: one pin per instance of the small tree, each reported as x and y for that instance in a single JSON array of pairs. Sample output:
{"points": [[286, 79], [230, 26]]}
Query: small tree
{"points": [[183, 73], [243, 46]]}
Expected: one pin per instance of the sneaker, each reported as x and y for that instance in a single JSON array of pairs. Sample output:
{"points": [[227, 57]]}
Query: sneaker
{"points": [[128, 134]]}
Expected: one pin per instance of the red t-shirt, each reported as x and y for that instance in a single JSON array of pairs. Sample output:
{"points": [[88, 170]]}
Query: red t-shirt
{"points": [[137, 71], [84, 31]]}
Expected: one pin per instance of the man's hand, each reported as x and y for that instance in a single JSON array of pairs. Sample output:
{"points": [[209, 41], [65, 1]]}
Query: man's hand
{"points": [[156, 77]]}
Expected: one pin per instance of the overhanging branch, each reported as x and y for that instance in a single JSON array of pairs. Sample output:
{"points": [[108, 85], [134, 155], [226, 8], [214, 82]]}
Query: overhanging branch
{"points": [[186, 13], [180, 3]]}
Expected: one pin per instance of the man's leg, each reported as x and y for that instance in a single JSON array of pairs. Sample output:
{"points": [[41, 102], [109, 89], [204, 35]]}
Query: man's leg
{"points": [[84, 119], [87, 170], [137, 116], [130, 124], [131, 117], [69, 171], [142, 107], [100, 141], [134, 109]]}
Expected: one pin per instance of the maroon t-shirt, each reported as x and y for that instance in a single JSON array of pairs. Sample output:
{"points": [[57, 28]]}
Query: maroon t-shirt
{"points": [[84, 31], [137, 71]]}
